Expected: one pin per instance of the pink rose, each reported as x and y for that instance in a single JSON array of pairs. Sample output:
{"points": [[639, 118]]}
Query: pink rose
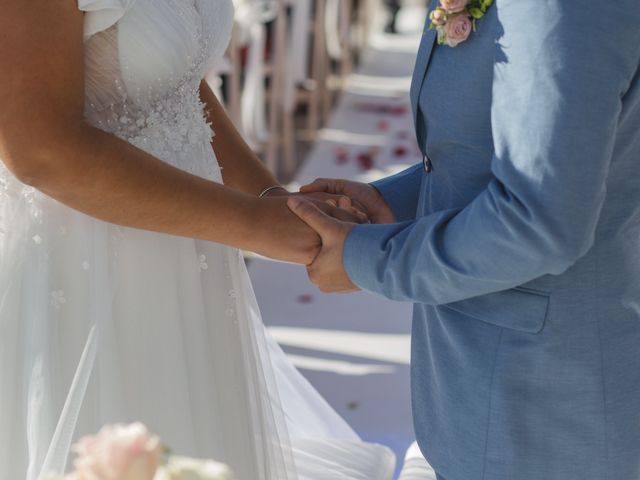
{"points": [[438, 17], [453, 6], [118, 452], [457, 29]]}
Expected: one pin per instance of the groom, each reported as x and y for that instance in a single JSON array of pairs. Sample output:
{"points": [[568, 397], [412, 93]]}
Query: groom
{"points": [[518, 241]]}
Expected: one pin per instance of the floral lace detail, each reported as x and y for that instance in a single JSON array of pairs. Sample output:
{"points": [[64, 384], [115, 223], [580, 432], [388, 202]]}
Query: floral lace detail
{"points": [[58, 299], [202, 261], [169, 130], [166, 118]]}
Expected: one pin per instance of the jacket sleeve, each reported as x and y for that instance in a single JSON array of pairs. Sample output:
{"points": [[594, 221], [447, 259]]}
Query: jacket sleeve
{"points": [[401, 191], [561, 70]]}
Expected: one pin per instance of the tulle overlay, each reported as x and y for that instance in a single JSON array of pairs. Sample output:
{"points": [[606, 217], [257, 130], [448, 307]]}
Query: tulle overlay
{"points": [[178, 341]]}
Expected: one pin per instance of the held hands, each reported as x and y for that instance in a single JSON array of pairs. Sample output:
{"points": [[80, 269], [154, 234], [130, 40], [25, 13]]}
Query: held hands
{"points": [[283, 236], [326, 270], [362, 195], [337, 206], [327, 210]]}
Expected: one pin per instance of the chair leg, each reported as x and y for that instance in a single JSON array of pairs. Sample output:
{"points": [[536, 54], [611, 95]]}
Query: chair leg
{"points": [[279, 70], [327, 92], [289, 144], [346, 65], [317, 68]]}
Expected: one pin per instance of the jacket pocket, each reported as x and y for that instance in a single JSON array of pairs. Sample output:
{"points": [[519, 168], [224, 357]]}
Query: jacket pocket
{"points": [[519, 309]]}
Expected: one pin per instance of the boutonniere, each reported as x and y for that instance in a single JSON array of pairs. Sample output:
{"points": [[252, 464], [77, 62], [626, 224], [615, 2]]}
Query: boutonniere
{"points": [[456, 19]]}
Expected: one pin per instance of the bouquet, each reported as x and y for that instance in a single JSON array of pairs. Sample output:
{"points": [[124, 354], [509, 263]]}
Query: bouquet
{"points": [[130, 452]]}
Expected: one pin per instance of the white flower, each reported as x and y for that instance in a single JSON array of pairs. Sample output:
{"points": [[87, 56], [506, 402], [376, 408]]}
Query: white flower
{"points": [[118, 452], [182, 468], [58, 299]]}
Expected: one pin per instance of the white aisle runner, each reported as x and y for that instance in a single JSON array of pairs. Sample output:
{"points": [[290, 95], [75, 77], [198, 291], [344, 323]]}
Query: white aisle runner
{"points": [[354, 349]]}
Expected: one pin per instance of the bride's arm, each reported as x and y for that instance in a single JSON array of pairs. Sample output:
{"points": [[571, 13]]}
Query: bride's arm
{"points": [[46, 143], [241, 168]]}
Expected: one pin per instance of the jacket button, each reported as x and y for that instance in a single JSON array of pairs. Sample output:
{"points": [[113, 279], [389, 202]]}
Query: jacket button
{"points": [[426, 162]]}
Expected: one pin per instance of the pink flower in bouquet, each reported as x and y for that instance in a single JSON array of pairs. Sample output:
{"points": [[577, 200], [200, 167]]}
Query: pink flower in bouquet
{"points": [[458, 29], [118, 452], [454, 6]]}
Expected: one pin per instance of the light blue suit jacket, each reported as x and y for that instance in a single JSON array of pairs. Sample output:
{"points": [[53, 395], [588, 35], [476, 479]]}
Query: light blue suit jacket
{"points": [[521, 249]]}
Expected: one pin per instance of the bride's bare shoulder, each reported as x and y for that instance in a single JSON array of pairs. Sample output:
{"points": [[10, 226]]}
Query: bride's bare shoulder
{"points": [[41, 86]]}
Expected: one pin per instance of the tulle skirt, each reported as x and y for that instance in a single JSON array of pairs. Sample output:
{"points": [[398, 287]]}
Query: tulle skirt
{"points": [[103, 324]]}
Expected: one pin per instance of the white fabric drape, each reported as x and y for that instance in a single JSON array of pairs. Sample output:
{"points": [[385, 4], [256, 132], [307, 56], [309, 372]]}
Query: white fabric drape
{"points": [[416, 466]]}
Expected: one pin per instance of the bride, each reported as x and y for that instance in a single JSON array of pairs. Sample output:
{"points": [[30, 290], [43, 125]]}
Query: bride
{"points": [[123, 295]]}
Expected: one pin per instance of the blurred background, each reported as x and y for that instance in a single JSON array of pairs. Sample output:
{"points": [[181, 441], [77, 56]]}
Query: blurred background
{"points": [[320, 88]]}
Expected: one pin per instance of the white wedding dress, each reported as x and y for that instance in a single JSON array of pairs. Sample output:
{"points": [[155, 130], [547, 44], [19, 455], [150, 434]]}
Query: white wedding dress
{"points": [[102, 324]]}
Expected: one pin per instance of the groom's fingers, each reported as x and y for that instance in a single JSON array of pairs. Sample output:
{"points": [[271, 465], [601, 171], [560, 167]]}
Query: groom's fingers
{"points": [[318, 185], [327, 185], [311, 215]]}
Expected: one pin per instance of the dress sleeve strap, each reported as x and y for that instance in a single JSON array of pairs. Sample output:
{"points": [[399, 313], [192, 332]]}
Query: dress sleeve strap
{"points": [[102, 14]]}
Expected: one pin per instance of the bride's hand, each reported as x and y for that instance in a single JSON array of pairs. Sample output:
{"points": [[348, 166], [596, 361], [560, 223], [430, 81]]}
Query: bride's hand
{"points": [[281, 235]]}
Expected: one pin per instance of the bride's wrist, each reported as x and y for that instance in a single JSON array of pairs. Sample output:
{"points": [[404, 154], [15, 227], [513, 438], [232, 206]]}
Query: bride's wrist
{"points": [[262, 209], [248, 218]]}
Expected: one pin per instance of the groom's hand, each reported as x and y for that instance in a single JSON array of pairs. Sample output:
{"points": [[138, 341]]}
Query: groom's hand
{"points": [[362, 195], [327, 270]]}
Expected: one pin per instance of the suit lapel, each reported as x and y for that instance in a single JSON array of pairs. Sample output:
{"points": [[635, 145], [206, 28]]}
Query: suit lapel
{"points": [[422, 63]]}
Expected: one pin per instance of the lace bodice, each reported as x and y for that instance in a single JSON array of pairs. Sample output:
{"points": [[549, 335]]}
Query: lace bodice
{"points": [[144, 60], [144, 63]]}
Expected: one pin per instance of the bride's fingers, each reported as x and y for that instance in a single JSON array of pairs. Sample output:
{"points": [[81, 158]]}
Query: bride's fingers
{"points": [[359, 206], [338, 200], [355, 209], [357, 215], [351, 215], [362, 217], [345, 202]]}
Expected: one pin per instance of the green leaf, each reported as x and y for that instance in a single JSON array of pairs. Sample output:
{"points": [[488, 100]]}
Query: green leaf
{"points": [[476, 13]]}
